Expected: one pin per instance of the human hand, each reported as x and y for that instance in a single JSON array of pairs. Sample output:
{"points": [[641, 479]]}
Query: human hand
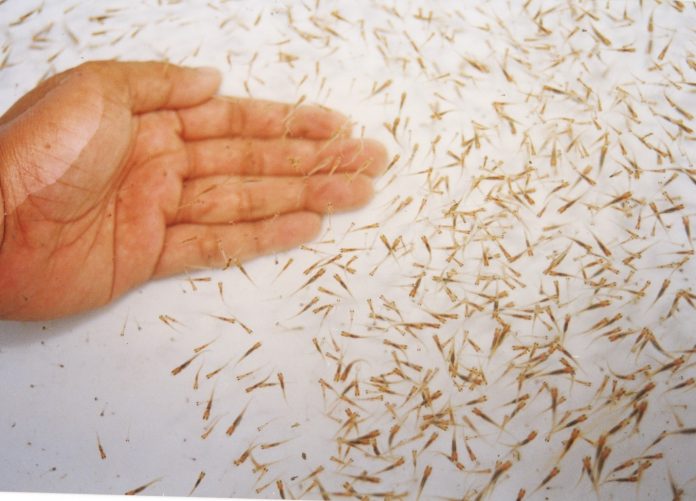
{"points": [[115, 173]]}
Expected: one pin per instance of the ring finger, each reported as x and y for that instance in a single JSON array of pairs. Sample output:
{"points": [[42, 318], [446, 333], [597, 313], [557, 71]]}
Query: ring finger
{"points": [[229, 199]]}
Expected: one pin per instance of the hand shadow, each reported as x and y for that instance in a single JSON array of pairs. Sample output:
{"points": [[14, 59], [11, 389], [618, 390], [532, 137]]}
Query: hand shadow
{"points": [[24, 333]]}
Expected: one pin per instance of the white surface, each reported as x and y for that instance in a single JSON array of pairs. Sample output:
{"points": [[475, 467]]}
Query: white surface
{"points": [[107, 374], [36, 496]]}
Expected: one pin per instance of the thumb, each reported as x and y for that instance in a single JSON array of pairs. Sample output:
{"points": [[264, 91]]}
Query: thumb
{"points": [[141, 86], [150, 86]]}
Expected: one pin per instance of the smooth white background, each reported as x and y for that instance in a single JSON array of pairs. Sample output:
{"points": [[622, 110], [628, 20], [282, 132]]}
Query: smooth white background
{"points": [[107, 374]]}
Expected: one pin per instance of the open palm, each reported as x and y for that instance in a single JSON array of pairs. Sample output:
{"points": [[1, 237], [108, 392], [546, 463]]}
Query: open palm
{"points": [[114, 173]]}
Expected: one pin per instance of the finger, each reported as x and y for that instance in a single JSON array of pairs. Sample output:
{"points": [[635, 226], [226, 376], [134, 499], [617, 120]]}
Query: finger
{"points": [[222, 199], [150, 86], [229, 117], [192, 246], [284, 157]]}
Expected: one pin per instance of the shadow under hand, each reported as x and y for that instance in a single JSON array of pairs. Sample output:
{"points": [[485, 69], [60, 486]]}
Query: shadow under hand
{"points": [[18, 333]]}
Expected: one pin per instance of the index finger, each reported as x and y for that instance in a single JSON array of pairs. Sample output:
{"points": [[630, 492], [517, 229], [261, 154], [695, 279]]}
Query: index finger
{"points": [[256, 118]]}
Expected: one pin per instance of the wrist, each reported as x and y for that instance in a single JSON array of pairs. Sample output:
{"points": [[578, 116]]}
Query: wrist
{"points": [[4, 153], [2, 216]]}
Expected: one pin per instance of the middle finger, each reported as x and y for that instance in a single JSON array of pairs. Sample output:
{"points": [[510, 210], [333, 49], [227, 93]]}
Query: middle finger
{"points": [[227, 199], [284, 157]]}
